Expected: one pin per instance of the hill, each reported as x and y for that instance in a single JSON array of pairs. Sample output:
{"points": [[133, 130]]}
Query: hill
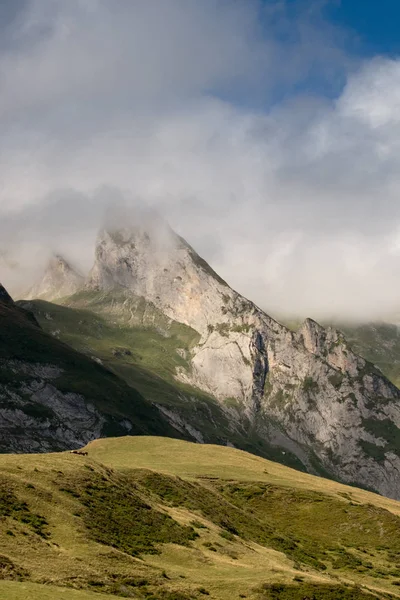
{"points": [[54, 398], [159, 518]]}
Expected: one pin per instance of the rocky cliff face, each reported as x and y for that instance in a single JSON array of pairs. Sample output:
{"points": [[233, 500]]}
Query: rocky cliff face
{"points": [[59, 280], [305, 391], [162, 268]]}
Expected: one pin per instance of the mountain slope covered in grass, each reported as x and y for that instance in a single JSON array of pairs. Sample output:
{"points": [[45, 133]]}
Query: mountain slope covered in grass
{"points": [[158, 518], [138, 343], [52, 397]]}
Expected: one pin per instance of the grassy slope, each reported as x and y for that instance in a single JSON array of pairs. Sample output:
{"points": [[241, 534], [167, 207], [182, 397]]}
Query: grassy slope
{"points": [[12, 590], [160, 518], [144, 348], [22, 340]]}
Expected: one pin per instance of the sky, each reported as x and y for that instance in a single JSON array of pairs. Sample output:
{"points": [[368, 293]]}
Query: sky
{"points": [[266, 132]]}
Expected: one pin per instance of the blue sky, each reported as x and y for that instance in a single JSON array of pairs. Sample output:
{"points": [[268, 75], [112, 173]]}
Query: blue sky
{"points": [[372, 26], [375, 23], [360, 28], [266, 133]]}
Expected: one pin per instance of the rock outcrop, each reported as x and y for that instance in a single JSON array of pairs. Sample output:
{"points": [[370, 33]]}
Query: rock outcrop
{"points": [[59, 280]]}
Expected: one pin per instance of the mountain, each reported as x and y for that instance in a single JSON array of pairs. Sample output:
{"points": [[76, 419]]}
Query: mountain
{"points": [[59, 280], [155, 518], [376, 341], [53, 398], [304, 393], [379, 343]]}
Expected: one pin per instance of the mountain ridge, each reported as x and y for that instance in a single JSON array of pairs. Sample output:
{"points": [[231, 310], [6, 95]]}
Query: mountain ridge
{"points": [[59, 279], [304, 391]]}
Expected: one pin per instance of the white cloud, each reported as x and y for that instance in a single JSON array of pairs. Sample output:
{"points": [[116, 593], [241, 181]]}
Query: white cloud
{"points": [[296, 204]]}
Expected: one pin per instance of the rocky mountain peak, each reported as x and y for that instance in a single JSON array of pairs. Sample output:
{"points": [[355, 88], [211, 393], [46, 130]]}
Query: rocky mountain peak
{"points": [[160, 266], [330, 345], [60, 279]]}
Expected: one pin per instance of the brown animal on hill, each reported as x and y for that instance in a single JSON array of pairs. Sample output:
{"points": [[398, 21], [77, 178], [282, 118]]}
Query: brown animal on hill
{"points": [[78, 452]]}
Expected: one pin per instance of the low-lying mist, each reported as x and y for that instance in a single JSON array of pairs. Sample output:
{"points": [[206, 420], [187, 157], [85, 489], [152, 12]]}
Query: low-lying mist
{"points": [[291, 275]]}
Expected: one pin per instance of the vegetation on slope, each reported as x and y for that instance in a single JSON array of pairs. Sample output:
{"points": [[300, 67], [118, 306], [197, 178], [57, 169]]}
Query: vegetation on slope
{"points": [[21, 339], [143, 347], [166, 519]]}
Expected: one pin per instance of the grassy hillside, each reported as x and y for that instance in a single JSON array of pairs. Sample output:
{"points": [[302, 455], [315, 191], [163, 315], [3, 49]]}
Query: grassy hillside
{"points": [[22, 340], [145, 348], [166, 519]]}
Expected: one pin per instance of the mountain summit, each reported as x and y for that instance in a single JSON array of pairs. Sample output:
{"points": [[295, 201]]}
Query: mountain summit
{"points": [[306, 393], [161, 267], [59, 280]]}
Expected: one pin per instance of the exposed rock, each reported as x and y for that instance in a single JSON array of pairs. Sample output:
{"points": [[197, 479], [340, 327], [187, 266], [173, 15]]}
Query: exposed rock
{"points": [[59, 280], [37, 417], [54, 398], [162, 268]]}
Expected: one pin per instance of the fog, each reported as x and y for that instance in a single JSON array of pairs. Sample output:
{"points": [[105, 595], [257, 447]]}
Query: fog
{"points": [[259, 134]]}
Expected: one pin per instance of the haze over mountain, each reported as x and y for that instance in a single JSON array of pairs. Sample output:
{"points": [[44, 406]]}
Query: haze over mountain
{"points": [[304, 398], [284, 179]]}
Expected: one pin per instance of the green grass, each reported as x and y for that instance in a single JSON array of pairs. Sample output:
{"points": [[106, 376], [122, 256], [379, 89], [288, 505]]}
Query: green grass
{"points": [[385, 430], [11, 590], [16, 510], [378, 453], [144, 517], [21, 340], [115, 515]]}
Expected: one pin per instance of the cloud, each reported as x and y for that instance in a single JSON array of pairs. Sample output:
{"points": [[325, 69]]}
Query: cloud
{"points": [[206, 112]]}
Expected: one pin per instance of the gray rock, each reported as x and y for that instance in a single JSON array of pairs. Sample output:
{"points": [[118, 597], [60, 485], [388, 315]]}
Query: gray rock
{"points": [[58, 281]]}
